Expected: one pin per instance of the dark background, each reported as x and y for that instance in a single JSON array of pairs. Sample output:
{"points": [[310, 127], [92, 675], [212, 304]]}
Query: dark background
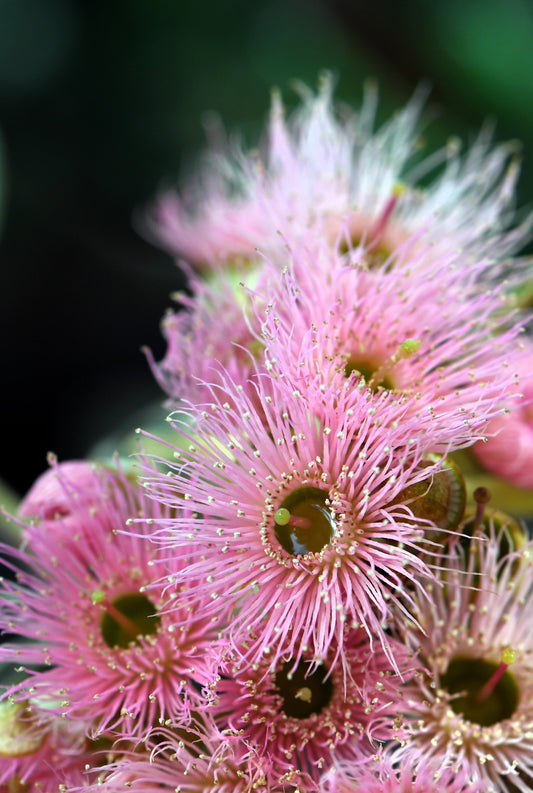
{"points": [[101, 104]]}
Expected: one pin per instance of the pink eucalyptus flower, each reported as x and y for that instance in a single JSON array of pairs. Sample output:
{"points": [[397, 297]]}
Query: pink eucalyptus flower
{"points": [[302, 715], [383, 776], [208, 761], [507, 451], [112, 653], [61, 491], [437, 343], [296, 526], [470, 707], [212, 331], [325, 167]]}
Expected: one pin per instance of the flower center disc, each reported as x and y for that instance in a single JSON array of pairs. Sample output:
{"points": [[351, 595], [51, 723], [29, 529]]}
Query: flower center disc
{"points": [[303, 694], [367, 370], [466, 676], [310, 524], [131, 616]]}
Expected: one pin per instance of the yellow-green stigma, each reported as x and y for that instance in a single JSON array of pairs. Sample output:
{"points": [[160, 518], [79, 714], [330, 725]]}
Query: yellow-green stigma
{"points": [[304, 522], [409, 347], [487, 691], [128, 618], [303, 694]]}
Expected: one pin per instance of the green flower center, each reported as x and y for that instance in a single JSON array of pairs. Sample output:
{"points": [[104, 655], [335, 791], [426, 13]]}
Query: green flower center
{"points": [[372, 373], [127, 618], [304, 522], [303, 694], [466, 677]]}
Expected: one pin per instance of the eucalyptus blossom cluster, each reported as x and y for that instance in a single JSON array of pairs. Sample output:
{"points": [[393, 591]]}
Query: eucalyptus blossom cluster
{"points": [[308, 588]]}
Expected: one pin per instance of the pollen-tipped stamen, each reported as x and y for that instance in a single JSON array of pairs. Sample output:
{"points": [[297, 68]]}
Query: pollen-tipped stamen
{"points": [[508, 657]]}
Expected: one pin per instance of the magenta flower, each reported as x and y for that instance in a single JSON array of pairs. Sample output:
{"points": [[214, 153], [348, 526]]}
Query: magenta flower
{"points": [[296, 526], [328, 171], [301, 715], [112, 653], [471, 705]]}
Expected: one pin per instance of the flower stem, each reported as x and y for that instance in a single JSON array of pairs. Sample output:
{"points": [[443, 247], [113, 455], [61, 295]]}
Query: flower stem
{"points": [[482, 498]]}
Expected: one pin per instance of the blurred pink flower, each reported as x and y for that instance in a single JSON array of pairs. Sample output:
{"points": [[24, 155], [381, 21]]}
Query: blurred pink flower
{"points": [[507, 450], [381, 775], [63, 490], [41, 752], [212, 333], [327, 170]]}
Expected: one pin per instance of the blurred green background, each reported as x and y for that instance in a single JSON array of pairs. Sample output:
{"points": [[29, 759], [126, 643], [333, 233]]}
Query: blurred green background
{"points": [[101, 104]]}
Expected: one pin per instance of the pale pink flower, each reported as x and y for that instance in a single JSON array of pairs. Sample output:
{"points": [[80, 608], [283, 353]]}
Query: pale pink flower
{"points": [[296, 526], [302, 716], [380, 775], [109, 650], [325, 167], [507, 450], [476, 621]]}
